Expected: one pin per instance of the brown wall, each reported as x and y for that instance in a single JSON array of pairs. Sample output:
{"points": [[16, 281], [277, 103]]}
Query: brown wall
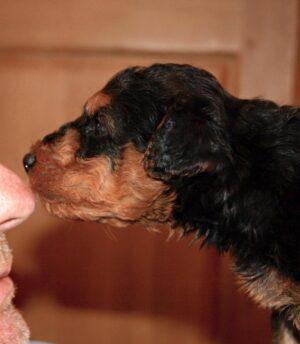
{"points": [[297, 65], [89, 283]]}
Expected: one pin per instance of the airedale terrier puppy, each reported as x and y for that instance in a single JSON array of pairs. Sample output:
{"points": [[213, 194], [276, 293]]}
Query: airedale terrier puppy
{"points": [[167, 144]]}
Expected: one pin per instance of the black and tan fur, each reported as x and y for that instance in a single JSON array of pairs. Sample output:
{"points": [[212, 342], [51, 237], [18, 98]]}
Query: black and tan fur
{"points": [[167, 144]]}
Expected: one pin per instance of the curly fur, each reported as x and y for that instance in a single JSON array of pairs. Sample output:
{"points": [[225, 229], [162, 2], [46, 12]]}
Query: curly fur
{"points": [[224, 168]]}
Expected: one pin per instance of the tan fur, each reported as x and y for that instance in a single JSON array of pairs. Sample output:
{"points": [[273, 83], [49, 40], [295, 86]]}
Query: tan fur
{"points": [[91, 190], [274, 291], [283, 336], [97, 101]]}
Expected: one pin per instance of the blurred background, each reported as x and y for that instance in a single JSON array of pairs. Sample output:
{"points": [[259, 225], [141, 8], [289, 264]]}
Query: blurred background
{"points": [[89, 283]]}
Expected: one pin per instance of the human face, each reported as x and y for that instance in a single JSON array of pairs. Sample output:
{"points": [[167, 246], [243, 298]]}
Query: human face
{"points": [[16, 204]]}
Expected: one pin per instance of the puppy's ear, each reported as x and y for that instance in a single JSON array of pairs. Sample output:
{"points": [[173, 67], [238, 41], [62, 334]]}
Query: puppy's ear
{"points": [[192, 138]]}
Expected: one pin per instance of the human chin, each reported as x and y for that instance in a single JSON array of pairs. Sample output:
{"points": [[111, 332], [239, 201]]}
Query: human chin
{"points": [[13, 329]]}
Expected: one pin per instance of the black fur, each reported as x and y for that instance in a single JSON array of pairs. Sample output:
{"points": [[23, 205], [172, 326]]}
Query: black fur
{"points": [[248, 200], [234, 164]]}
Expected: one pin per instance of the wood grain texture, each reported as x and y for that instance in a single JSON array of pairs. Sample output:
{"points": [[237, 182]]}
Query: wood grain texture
{"points": [[296, 78], [269, 49], [131, 24]]}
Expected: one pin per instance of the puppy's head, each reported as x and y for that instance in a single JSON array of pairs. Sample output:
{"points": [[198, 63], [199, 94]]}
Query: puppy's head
{"points": [[116, 163]]}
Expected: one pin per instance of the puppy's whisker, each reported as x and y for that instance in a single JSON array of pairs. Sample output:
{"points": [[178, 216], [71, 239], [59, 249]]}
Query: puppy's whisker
{"points": [[171, 235], [181, 234], [196, 238]]}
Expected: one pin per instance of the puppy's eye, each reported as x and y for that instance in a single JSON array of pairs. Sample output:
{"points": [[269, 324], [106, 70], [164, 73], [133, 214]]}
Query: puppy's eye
{"points": [[91, 127], [94, 128]]}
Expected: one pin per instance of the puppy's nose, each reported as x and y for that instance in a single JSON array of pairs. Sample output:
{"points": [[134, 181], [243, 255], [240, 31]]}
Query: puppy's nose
{"points": [[29, 161]]}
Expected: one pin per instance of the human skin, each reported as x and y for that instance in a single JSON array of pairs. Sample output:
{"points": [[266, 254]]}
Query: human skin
{"points": [[16, 204]]}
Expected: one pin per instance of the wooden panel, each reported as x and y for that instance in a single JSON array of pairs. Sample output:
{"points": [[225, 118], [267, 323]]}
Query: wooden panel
{"points": [[71, 273], [297, 66], [269, 49], [149, 24]]}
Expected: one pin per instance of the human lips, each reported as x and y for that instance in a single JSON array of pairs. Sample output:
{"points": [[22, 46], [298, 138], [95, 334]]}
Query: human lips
{"points": [[13, 222], [6, 284], [6, 288]]}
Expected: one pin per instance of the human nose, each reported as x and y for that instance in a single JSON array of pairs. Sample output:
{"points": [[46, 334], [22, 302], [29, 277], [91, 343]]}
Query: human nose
{"points": [[16, 200]]}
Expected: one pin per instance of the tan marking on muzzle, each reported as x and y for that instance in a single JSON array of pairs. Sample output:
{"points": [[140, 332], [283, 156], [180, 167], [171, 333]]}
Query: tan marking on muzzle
{"points": [[91, 190]]}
